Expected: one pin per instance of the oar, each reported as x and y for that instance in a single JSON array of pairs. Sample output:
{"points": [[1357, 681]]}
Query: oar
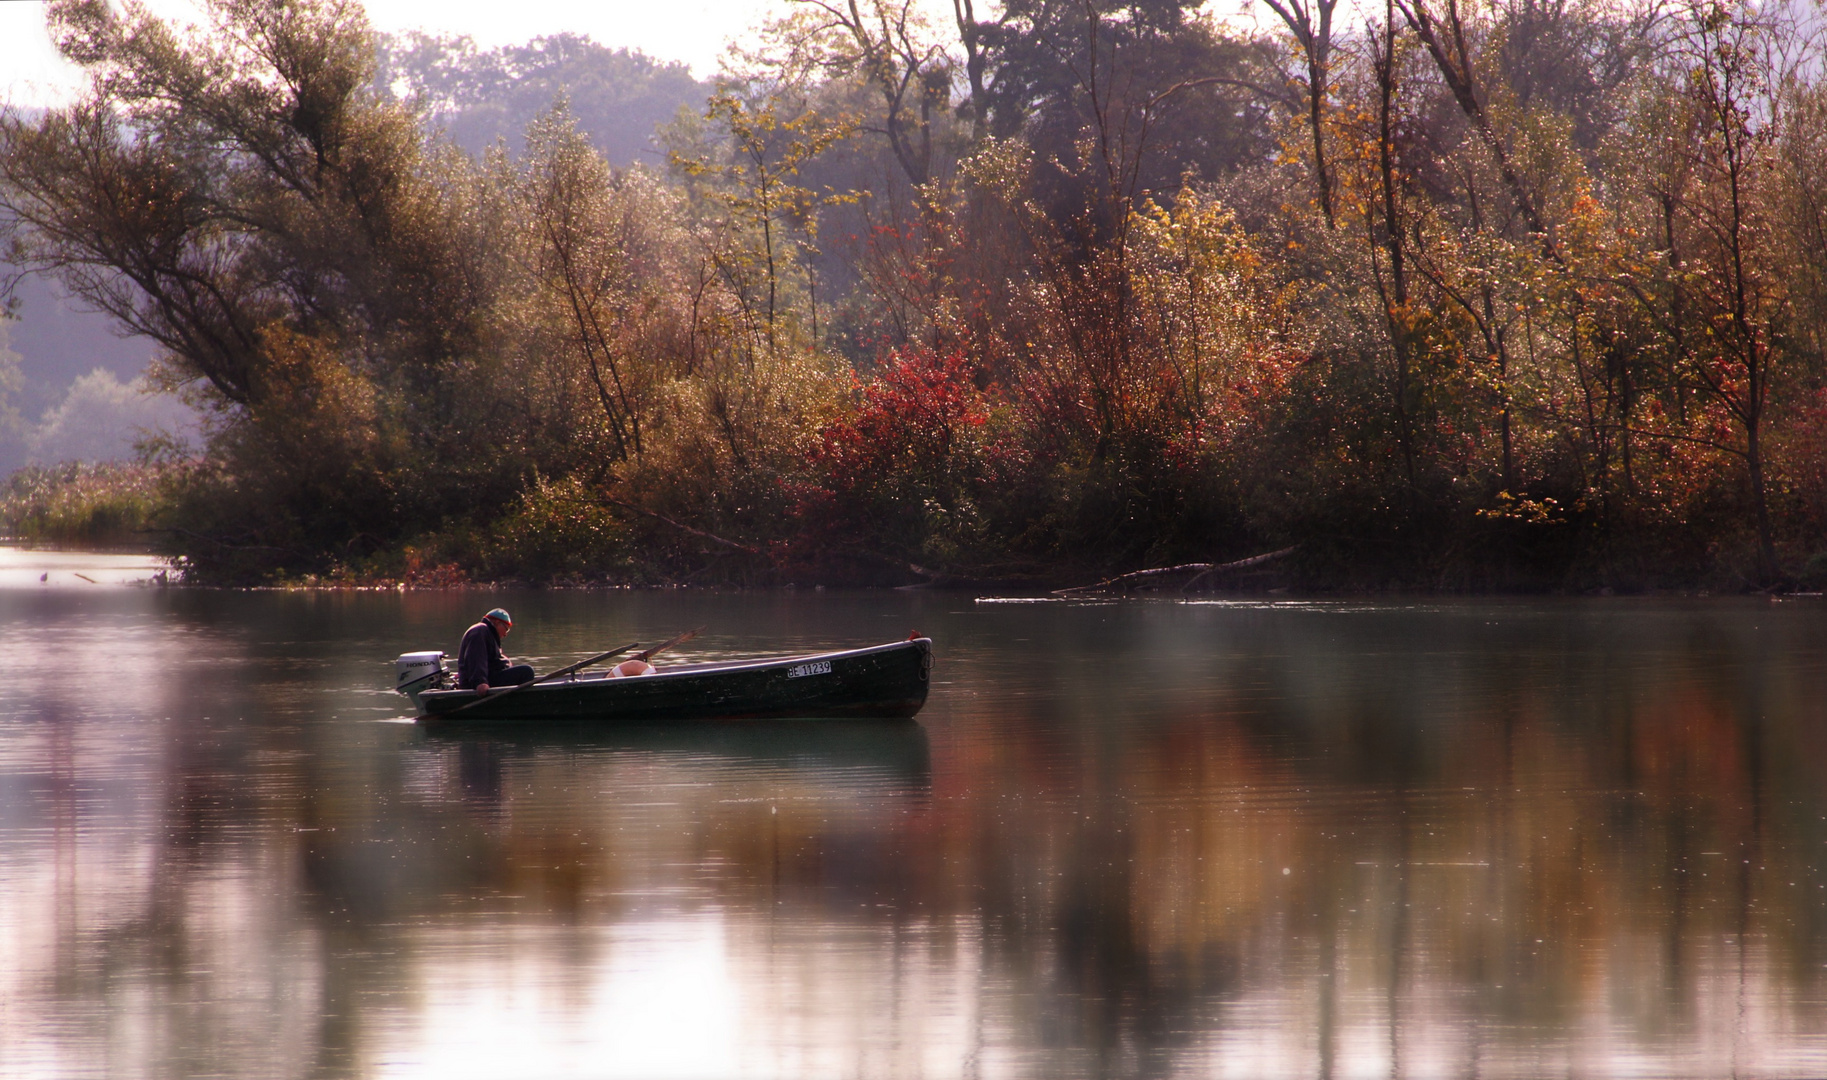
{"points": [[664, 645], [579, 666]]}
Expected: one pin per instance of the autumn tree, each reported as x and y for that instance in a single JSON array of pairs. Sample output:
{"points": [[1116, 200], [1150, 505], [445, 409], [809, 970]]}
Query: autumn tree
{"points": [[582, 258], [770, 219], [1722, 299], [1310, 24], [246, 199], [886, 46]]}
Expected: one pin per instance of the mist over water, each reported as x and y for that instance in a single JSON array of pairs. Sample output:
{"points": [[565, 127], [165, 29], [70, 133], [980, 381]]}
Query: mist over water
{"points": [[1491, 838]]}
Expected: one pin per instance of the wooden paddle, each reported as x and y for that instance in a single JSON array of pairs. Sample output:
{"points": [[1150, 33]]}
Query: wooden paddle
{"points": [[643, 657], [579, 666]]}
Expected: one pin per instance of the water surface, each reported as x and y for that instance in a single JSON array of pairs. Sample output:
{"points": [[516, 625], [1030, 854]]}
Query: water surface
{"points": [[1470, 838]]}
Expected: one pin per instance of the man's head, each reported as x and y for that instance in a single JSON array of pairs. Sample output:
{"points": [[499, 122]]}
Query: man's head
{"points": [[498, 619]]}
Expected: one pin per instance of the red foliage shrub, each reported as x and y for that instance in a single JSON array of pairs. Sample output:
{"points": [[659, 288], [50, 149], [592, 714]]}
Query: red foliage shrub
{"points": [[908, 424], [909, 452]]}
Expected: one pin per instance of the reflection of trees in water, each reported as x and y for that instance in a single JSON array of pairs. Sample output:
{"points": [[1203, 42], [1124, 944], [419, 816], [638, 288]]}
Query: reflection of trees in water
{"points": [[1543, 843], [1475, 873], [161, 946]]}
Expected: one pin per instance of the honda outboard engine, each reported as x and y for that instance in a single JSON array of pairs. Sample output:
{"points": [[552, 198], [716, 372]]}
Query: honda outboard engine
{"points": [[415, 672]]}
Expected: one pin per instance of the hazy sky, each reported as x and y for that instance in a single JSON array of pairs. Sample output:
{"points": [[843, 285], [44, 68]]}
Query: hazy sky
{"points": [[695, 31], [690, 30]]}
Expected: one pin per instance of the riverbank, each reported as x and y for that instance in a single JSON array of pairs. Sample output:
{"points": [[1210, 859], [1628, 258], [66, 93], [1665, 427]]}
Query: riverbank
{"points": [[27, 567], [22, 567]]}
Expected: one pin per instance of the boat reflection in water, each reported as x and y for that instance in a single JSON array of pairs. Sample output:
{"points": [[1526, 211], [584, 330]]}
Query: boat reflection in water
{"points": [[890, 756], [644, 901]]}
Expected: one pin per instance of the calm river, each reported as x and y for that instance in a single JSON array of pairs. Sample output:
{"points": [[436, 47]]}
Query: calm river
{"points": [[1306, 839]]}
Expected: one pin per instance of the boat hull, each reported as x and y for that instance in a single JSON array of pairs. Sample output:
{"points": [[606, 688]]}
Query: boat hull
{"points": [[887, 681]]}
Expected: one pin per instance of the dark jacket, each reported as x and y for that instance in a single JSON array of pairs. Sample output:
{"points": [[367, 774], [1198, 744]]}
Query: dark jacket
{"points": [[479, 658]]}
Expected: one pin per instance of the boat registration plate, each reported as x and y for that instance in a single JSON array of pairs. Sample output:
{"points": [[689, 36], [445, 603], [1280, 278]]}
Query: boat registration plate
{"points": [[816, 667]]}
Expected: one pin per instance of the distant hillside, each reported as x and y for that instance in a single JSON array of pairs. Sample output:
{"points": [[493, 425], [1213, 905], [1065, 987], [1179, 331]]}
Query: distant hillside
{"points": [[57, 342], [58, 346], [479, 96]]}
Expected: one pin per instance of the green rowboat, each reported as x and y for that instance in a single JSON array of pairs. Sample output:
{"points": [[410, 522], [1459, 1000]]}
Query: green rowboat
{"points": [[885, 681]]}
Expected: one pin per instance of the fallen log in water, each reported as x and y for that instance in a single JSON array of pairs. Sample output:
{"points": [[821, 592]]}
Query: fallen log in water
{"points": [[1197, 569]]}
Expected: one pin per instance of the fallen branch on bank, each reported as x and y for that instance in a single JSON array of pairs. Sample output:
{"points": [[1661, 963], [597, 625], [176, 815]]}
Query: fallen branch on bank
{"points": [[1198, 570]]}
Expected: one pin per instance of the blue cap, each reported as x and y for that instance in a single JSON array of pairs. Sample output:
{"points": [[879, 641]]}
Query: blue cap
{"points": [[500, 613]]}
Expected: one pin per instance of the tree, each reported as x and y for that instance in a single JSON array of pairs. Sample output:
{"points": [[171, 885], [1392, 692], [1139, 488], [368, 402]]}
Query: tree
{"points": [[1723, 300], [582, 257], [771, 140], [1311, 25], [887, 46], [245, 198], [481, 96], [1123, 100]]}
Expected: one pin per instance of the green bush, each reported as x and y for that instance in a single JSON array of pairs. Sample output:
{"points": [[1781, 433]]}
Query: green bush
{"points": [[560, 531]]}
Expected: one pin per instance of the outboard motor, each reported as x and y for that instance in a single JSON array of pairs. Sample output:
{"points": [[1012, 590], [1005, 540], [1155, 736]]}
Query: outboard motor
{"points": [[415, 672]]}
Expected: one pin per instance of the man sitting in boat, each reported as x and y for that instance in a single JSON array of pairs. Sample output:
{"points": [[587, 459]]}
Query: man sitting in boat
{"points": [[480, 664]]}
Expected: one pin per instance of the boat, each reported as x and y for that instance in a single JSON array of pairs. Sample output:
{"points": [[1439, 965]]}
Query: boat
{"points": [[881, 682]]}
